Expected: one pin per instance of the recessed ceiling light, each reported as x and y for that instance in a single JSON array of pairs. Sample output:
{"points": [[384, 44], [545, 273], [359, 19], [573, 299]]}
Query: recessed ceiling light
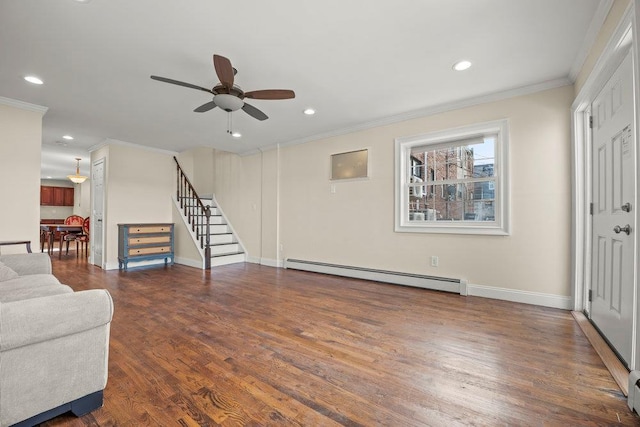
{"points": [[68, 137], [236, 134], [34, 80], [82, 1], [461, 65], [309, 111], [49, 177]]}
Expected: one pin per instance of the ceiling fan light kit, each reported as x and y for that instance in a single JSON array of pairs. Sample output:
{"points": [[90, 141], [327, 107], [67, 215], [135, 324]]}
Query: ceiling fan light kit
{"points": [[227, 102], [228, 96]]}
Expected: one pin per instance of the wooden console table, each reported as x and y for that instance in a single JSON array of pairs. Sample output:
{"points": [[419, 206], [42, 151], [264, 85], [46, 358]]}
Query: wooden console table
{"points": [[144, 242]]}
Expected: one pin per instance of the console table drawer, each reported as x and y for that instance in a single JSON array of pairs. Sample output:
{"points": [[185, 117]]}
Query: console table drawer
{"points": [[148, 240], [150, 229], [147, 251]]}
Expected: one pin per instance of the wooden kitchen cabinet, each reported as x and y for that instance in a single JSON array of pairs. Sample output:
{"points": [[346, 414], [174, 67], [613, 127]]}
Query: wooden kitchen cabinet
{"points": [[56, 196], [46, 196], [68, 196]]}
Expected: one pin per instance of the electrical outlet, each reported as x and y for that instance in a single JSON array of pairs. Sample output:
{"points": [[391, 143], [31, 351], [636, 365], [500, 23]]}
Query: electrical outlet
{"points": [[434, 261]]}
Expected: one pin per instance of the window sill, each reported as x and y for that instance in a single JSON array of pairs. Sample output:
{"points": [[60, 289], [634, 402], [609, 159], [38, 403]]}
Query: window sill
{"points": [[487, 230]]}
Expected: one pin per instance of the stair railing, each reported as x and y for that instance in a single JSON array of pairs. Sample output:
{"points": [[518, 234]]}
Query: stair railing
{"points": [[198, 214]]}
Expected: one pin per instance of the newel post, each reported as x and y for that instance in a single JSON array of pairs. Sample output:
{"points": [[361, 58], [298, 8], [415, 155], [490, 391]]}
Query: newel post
{"points": [[207, 247]]}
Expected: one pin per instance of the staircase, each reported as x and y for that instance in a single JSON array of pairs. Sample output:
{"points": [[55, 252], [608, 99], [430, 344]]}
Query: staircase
{"points": [[224, 246], [209, 228]]}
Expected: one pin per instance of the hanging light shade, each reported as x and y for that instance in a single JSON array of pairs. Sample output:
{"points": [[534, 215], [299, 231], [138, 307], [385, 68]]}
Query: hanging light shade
{"points": [[77, 178]]}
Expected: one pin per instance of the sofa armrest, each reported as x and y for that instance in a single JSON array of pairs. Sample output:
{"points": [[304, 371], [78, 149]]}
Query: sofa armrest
{"points": [[36, 320], [24, 264]]}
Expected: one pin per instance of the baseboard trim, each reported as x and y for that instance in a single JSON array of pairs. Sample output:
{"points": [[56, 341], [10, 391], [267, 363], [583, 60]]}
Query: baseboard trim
{"points": [[393, 277], [526, 297], [189, 262], [265, 261], [421, 281], [111, 266]]}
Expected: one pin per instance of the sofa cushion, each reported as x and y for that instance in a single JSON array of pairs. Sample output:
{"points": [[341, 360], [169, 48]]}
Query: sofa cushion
{"points": [[29, 281], [6, 273], [33, 292], [28, 263]]}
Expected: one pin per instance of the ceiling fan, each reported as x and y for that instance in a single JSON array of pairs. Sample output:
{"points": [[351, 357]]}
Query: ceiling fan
{"points": [[228, 96]]}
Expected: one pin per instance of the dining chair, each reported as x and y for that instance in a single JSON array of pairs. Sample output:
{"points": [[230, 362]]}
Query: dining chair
{"points": [[83, 239], [45, 238], [67, 236]]}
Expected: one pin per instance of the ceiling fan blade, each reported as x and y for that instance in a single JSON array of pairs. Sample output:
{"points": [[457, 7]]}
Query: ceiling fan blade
{"points": [[206, 107], [179, 83], [270, 94], [254, 112], [224, 70]]}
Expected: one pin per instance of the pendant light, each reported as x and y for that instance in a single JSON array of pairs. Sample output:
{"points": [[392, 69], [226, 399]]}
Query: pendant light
{"points": [[77, 178]]}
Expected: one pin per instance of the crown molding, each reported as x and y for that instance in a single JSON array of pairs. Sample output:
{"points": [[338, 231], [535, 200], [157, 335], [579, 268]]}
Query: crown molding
{"points": [[423, 112], [590, 37], [110, 141], [619, 42], [23, 105]]}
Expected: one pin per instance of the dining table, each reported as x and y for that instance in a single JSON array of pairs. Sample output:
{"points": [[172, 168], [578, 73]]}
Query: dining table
{"points": [[50, 230]]}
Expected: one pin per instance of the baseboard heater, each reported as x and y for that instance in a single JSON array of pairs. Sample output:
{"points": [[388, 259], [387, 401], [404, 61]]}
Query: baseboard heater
{"points": [[446, 284]]}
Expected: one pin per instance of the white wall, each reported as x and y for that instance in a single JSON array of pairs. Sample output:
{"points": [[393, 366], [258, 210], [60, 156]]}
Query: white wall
{"points": [[82, 199], [355, 226], [238, 192], [199, 166], [204, 171], [139, 186], [20, 142], [270, 222], [185, 248]]}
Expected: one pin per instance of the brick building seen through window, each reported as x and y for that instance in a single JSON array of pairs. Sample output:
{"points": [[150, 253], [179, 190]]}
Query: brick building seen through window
{"points": [[452, 184]]}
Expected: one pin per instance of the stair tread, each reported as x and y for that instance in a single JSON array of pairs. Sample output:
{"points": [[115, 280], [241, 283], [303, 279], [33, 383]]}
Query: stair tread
{"points": [[227, 254]]}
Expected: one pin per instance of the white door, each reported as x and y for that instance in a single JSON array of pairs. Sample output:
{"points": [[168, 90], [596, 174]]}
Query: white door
{"points": [[614, 206], [97, 212]]}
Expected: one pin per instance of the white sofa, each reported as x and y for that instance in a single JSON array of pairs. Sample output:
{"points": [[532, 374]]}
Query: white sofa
{"points": [[54, 343]]}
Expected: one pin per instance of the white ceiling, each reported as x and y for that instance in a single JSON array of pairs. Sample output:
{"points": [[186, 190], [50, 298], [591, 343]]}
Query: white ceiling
{"points": [[356, 62]]}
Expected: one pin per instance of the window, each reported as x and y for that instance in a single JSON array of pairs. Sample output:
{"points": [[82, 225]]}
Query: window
{"points": [[454, 181]]}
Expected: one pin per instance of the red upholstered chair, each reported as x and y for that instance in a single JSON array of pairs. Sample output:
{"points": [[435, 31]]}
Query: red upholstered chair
{"points": [[66, 236], [83, 239]]}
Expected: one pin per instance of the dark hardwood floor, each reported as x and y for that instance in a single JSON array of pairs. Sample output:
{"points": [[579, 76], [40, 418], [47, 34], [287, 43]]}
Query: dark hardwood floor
{"points": [[254, 345]]}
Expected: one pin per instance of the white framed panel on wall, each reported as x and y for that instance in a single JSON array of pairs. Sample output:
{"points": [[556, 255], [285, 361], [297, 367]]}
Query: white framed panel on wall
{"points": [[350, 165]]}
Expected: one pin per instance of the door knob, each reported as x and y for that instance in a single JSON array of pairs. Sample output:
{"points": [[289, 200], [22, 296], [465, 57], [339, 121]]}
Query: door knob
{"points": [[626, 207], [626, 229]]}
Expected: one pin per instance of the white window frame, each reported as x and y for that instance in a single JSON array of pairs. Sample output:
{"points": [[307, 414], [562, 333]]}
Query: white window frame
{"points": [[440, 139]]}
